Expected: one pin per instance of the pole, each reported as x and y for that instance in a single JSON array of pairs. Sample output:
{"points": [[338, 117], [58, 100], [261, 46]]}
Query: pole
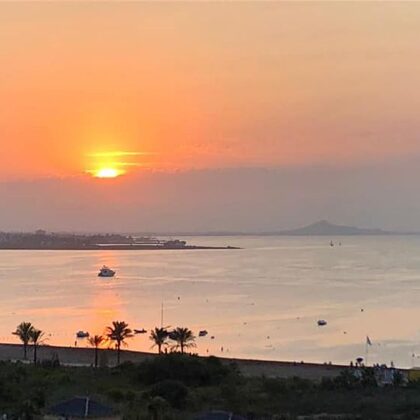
{"points": [[367, 352]]}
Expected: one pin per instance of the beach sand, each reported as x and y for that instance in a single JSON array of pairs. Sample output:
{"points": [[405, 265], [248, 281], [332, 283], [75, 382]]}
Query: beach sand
{"points": [[79, 356]]}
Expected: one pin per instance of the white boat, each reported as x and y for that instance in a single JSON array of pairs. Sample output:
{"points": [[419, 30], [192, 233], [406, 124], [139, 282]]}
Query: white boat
{"points": [[106, 272], [82, 334], [322, 322]]}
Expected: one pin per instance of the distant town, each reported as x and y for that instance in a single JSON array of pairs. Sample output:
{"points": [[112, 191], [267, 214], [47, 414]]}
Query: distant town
{"points": [[44, 240]]}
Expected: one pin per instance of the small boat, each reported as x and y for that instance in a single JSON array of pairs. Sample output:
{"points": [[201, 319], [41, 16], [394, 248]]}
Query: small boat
{"points": [[142, 331], [202, 333], [82, 334], [322, 322], [331, 243], [106, 272]]}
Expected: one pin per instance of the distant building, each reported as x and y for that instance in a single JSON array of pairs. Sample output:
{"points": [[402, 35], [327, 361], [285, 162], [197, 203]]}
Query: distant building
{"points": [[175, 243], [81, 407], [385, 376]]}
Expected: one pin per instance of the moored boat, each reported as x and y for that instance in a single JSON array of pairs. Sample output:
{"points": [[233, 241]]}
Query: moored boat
{"points": [[106, 272]]}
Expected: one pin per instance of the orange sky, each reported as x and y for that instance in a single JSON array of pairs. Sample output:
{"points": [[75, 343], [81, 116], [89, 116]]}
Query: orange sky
{"points": [[206, 85]]}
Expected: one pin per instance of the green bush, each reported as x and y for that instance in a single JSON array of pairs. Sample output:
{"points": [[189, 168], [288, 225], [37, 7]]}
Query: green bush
{"points": [[273, 386], [345, 380], [157, 407], [116, 395], [175, 392], [191, 370]]}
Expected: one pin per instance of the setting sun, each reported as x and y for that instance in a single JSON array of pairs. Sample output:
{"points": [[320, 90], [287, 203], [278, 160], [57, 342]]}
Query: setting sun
{"points": [[107, 173], [111, 164]]}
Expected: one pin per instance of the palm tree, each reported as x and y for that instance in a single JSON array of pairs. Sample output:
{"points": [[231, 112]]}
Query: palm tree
{"points": [[119, 332], [96, 341], [183, 337], [36, 338], [159, 337], [23, 331]]}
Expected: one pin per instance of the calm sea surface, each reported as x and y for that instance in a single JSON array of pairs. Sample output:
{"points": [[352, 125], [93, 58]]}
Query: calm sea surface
{"points": [[262, 301]]}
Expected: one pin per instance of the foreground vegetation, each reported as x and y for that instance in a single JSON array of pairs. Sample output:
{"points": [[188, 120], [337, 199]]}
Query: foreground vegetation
{"points": [[175, 386]]}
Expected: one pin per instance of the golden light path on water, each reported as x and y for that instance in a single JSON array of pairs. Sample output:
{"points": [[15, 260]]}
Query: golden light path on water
{"points": [[262, 301]]}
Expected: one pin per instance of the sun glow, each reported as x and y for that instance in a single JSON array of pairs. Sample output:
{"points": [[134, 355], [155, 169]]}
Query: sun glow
{"points": [[112, 164], [108, 173]]}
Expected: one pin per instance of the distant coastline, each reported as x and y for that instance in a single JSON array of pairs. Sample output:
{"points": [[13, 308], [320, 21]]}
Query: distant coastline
{"points": [[320, 228], [111, 248], [41, 240]]}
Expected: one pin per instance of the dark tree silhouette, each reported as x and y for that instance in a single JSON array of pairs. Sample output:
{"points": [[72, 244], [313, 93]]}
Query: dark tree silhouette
{"points": [[183, 337], [95, 342], [118, 333], [23, 331], [36, 338], [159, 336]]}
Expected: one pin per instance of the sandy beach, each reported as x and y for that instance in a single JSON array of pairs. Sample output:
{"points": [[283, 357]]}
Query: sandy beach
{"points": [[84, 357]]}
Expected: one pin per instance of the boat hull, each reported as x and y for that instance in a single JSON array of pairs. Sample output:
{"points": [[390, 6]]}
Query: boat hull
{"points": [[106, 275]]}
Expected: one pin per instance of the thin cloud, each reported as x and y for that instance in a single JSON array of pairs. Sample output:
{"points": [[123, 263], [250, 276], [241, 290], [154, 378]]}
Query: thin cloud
{"points": [[128, 164], [119, 154]]}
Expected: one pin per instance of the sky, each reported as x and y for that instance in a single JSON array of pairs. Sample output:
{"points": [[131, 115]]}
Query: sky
{"points": [[218, 115]]}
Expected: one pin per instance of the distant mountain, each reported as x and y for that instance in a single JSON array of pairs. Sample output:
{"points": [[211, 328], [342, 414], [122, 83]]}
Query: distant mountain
{"points": [[321, 228], [324, 227]]}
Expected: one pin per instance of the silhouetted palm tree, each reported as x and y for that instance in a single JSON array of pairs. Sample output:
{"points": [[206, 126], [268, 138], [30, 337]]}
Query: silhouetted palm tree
{"points": [[183, 337], [96, 341], [23, 331], [36, 338], [118, 333], [159, 337]]}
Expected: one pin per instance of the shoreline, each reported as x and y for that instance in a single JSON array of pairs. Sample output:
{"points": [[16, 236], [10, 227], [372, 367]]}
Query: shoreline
{"points": [[116, 248], [84, 357]]}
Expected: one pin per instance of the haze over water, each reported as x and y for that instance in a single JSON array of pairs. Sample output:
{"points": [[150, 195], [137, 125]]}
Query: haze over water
{"points": [[262, 301]]}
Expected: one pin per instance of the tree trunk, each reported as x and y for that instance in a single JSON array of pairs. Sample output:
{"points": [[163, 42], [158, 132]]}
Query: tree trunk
{"points": [[182, 347], [118, 353], [159, 348], [96, 356], [25, 348], [35, 347]]}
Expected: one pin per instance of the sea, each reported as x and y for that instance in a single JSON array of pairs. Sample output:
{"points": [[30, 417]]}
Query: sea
{"points": [[263, 301]]}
